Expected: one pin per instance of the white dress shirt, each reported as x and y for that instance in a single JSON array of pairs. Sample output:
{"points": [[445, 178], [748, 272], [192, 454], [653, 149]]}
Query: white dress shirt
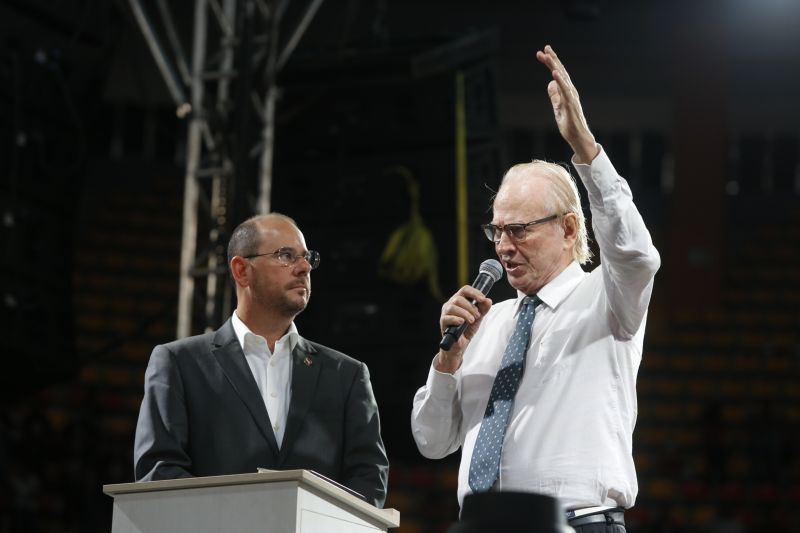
{"points": [[272, 371], [570, 430]]}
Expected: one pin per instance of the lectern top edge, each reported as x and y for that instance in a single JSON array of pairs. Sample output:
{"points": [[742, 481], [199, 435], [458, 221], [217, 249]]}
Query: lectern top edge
{"points": [[303, 477]]}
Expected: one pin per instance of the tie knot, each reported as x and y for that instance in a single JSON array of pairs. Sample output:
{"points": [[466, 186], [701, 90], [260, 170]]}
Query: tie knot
{"points": [[531, 300]]}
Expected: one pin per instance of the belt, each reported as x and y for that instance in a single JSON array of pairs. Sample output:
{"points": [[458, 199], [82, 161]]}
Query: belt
{"points": [[609, 516]]}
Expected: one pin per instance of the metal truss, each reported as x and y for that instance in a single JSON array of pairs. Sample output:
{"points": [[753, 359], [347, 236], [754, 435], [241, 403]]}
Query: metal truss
{"points": [[236, 57]]}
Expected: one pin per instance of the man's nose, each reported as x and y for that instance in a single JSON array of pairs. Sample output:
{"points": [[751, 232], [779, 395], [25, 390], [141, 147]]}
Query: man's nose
{"points": [[505, 244], [302, 266]]}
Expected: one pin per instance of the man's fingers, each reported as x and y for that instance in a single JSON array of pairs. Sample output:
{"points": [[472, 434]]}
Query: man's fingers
{"points": [[554, 91], [549, 58], [543, 59], [567, 89], [484, 306], [558, 66], [557, 70], [567, 109], [458, 310], [466, 309], [554, 57]]}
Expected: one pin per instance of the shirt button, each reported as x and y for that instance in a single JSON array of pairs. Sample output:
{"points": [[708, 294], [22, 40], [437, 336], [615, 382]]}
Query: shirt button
{"points": [[451, 386], [274, 394], [272, 363]]}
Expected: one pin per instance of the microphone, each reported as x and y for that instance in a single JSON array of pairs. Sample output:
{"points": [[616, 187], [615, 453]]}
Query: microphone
{"points": [[490, 271]]}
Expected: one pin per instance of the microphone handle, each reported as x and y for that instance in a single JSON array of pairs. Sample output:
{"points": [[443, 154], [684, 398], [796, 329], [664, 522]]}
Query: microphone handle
{"points": [[452, 333], [484, 284]]}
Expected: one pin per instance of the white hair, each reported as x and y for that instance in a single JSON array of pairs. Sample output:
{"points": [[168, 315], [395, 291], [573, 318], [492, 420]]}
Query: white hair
{"points": [[562, 198]]}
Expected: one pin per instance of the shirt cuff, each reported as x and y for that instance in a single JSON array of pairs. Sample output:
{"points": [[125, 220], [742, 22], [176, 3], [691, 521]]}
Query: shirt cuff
{"points": [[599, 177], [441, 385]]}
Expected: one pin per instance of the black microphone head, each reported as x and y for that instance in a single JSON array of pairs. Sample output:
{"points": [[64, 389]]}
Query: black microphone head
{"points": [[493, 268]]}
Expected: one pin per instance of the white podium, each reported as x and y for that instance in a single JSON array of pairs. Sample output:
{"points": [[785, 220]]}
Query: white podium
{"points": [[272, 502]]}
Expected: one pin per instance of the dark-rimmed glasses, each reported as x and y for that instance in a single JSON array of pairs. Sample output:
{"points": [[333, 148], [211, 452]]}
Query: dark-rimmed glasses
{"points": [[288, 257], [517, 232]]}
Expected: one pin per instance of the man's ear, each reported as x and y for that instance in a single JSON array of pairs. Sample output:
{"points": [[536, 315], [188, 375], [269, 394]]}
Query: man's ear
{"points": [[239, 271], [570, 226]]}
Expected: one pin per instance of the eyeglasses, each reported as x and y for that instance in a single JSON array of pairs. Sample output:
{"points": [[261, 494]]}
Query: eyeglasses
{"points": [[518, 232], [288, 257]]}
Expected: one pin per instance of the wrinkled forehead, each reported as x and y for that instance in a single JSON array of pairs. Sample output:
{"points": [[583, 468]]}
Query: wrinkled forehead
{"points": [[522, 196]]}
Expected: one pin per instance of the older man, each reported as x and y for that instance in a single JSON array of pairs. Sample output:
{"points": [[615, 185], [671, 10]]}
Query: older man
{"points": [[255, 393], [540, 391]]}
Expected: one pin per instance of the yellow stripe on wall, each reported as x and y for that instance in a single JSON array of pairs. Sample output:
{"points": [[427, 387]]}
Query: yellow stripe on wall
{"points": [[462, 251]]}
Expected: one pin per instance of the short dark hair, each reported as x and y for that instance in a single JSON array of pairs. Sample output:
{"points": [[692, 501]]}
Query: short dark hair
{"points": [[245, 239]]}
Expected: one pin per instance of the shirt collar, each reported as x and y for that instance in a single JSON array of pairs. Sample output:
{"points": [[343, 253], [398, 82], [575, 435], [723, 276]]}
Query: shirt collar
{"points": [[557, 289], [242, 332]]}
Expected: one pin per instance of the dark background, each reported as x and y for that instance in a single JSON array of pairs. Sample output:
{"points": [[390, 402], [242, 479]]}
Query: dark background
{"points": [[695, 102]]}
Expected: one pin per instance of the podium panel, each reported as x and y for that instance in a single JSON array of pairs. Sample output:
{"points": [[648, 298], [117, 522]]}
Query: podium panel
{"points": [[275, 502]]}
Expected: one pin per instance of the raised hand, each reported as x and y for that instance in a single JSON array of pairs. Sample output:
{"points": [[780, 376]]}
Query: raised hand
{"points": [[567, 109]]}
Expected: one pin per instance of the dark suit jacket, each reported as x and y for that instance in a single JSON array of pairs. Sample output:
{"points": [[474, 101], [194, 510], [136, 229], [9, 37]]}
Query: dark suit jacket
{"points": [[203, 415]]}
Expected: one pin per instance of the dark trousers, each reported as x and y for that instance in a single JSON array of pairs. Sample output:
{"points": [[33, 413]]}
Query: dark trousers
{"points": [[611, 521], [600, 528]]}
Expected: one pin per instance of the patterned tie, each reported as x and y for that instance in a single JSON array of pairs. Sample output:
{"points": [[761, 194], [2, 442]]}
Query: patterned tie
{"points": [[485, 465]]}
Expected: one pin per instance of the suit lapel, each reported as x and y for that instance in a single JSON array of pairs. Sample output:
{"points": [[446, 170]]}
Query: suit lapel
{"points": [[306, 367], [229, 355]]}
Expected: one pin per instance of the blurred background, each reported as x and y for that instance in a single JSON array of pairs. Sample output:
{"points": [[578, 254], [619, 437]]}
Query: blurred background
{"points": [[383, 127]]}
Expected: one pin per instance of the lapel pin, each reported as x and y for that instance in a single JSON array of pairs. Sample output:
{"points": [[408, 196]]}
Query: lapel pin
{"points": [[307, 361]]}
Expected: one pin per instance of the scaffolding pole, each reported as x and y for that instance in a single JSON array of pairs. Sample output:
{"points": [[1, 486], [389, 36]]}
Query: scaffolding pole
{"points": [[236, 58]]}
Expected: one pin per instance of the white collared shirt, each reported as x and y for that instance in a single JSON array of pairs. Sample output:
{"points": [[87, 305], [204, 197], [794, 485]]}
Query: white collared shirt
{"points": [[570, 430], [272, 371]]}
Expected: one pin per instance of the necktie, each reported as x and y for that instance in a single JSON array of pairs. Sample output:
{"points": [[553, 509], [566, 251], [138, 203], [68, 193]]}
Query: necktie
{"points": [[485, 465]]}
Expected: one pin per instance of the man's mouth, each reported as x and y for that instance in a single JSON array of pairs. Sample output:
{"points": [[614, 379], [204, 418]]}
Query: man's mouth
{"points": [[511, 267]]}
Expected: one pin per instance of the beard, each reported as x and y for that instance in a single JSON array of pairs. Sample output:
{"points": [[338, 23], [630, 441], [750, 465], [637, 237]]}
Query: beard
{"points": [[286, 301], [291, 303]]}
